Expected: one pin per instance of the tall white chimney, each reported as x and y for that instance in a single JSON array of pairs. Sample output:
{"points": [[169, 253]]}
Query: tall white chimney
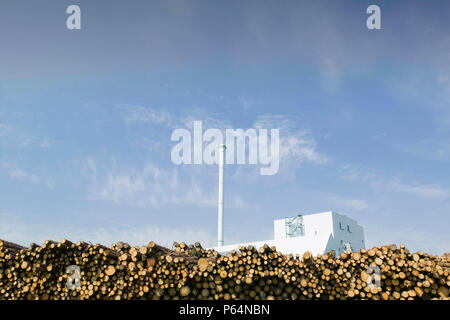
{"points": [[222, 149]]}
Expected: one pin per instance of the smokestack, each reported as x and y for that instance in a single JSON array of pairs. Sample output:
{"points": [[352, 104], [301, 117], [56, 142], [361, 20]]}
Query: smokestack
{"points": [[222, 149]]}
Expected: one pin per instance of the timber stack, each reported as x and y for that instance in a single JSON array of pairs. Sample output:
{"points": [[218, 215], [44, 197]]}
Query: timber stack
{"points": [[122, 271]]}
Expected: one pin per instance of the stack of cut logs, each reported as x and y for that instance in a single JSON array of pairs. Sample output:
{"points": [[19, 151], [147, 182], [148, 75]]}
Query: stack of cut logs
{"points": [[122, 271]]}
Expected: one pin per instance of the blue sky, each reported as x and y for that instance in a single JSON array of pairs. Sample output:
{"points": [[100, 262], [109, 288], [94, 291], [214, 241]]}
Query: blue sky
{"points": [[86, 118]]}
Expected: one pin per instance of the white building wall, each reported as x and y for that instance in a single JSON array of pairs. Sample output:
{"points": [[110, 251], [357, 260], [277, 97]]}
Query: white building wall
{"points": [[279, 229], [346, 230], [323, 232]]}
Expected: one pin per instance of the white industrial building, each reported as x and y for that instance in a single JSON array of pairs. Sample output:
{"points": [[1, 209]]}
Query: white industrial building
{"points": [[317, 233]]}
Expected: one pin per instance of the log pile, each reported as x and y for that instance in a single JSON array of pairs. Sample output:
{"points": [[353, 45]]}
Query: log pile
{"points": [[122, 271]]}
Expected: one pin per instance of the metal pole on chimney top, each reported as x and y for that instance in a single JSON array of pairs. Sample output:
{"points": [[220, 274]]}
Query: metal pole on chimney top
{"points": [[222, 149]]}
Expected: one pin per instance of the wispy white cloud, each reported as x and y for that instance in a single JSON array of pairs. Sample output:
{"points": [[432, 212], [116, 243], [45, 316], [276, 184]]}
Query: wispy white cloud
{"points": [[301, 146], [357, 173], [17, 173], [443, 81], [209, 120], [362, 174], [149, 115], [296, 145], [238, 202], [430, 191], [430, 93], [45, 143], [4, 129], [353, 204], [331, 75], [140, 114], [17, 137], [434, 149], [148, 185]]}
